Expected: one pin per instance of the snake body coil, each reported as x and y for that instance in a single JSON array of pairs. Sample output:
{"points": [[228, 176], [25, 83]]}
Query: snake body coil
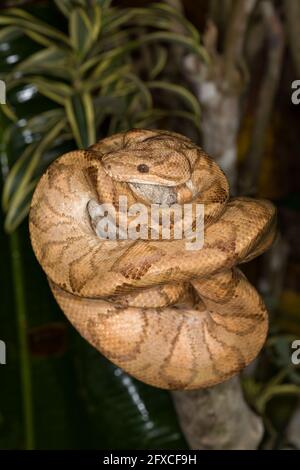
{"points": [[173, 318]]}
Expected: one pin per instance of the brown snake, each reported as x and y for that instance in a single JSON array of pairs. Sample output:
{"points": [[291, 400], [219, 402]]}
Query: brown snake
{"points": [[173, 318]]}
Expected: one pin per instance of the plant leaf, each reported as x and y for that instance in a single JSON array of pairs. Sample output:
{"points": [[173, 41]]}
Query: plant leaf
{"points": [[19, 196], [179, 90], [80, 113], [53, 90], [15, 175], [17, 212], [9, 33], [24, 20], [182, 20], [147, 118], [80, 29], [95, 16], [41, 123], [44, 60], [161, 60], [66, 6], [144, 92]]}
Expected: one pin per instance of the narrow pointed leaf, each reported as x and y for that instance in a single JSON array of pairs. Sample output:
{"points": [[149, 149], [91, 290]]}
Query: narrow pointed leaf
{"points": [[144, 92], [17, 212], [9, 33], [54, 90], [80, 29], [20, 194], [179, 90], [22, 19], [161, 60], [80, 114], [147, 118], [173, 12], [43, 60], [95, 16]]}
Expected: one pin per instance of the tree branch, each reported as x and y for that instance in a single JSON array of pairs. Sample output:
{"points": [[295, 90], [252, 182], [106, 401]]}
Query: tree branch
{"points": [[235, 34], [218, 418], [292, 14], [275, 40]]}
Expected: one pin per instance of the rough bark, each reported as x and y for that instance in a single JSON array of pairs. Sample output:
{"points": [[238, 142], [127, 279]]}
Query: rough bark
{"points": [[218, 418], [292, 14], [292, 433], [249, 178], [219, 86]]}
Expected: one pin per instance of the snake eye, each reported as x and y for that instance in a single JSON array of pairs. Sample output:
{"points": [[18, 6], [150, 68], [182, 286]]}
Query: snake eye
{"points": [[142, 168]]}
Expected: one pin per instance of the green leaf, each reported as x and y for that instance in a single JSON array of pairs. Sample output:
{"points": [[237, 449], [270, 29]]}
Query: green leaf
{"points": [[66, 6], [116, 19], [42, 123], [9, 33], [105, 65], [175, 38], [104, 3], [45, 60], [130, 46], [95, 16], [179, 90], [39, 38], [106, 79], [9, 112], [157, 15], [276, 390], [21, 181], [143, 90], [18, 211], [53, 90], [80, 29], [18, 13], [17, 17], [161, 8], [80, 113], [161, 60], [15, 175], [147, 118], [145, 416]]}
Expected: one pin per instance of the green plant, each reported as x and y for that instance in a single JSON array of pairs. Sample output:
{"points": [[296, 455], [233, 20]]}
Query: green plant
{"points": [[89, 71], [83, 78]]}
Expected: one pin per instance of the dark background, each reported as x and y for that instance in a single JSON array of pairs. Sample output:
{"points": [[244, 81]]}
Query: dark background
{"points": [[72, 396]]}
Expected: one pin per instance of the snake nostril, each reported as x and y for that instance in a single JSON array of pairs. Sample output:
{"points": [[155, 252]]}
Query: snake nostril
{"points": [[142, 168], [108, 167]]}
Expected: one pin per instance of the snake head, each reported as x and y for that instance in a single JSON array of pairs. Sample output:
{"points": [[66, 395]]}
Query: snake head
{"points": [[161, 166]]}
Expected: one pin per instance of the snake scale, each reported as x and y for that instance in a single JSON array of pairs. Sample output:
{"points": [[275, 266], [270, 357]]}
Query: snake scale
{"points": [[171, 317]]}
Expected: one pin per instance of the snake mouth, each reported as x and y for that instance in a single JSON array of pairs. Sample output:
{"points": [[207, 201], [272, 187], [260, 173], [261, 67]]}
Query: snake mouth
{"points": [[155, 194]]}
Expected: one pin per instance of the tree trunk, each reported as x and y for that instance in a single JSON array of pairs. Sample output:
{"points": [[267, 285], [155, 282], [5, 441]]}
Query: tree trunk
{"points": [[219, 417]]}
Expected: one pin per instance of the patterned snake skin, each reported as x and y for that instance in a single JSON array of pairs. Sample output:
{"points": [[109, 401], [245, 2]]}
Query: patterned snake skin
{"points": [[171, 317]]}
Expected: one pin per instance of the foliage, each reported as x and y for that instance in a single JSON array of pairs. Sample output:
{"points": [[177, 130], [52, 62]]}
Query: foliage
{"points": [[78, 399], [88, 70], [74, 74]]}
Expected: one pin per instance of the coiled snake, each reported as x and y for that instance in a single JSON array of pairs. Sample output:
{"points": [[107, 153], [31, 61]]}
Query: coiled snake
{"points": [[171, 317]]}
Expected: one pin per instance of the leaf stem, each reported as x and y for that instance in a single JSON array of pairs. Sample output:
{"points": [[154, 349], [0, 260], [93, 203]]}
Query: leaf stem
{"points": [[26, 386]]}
